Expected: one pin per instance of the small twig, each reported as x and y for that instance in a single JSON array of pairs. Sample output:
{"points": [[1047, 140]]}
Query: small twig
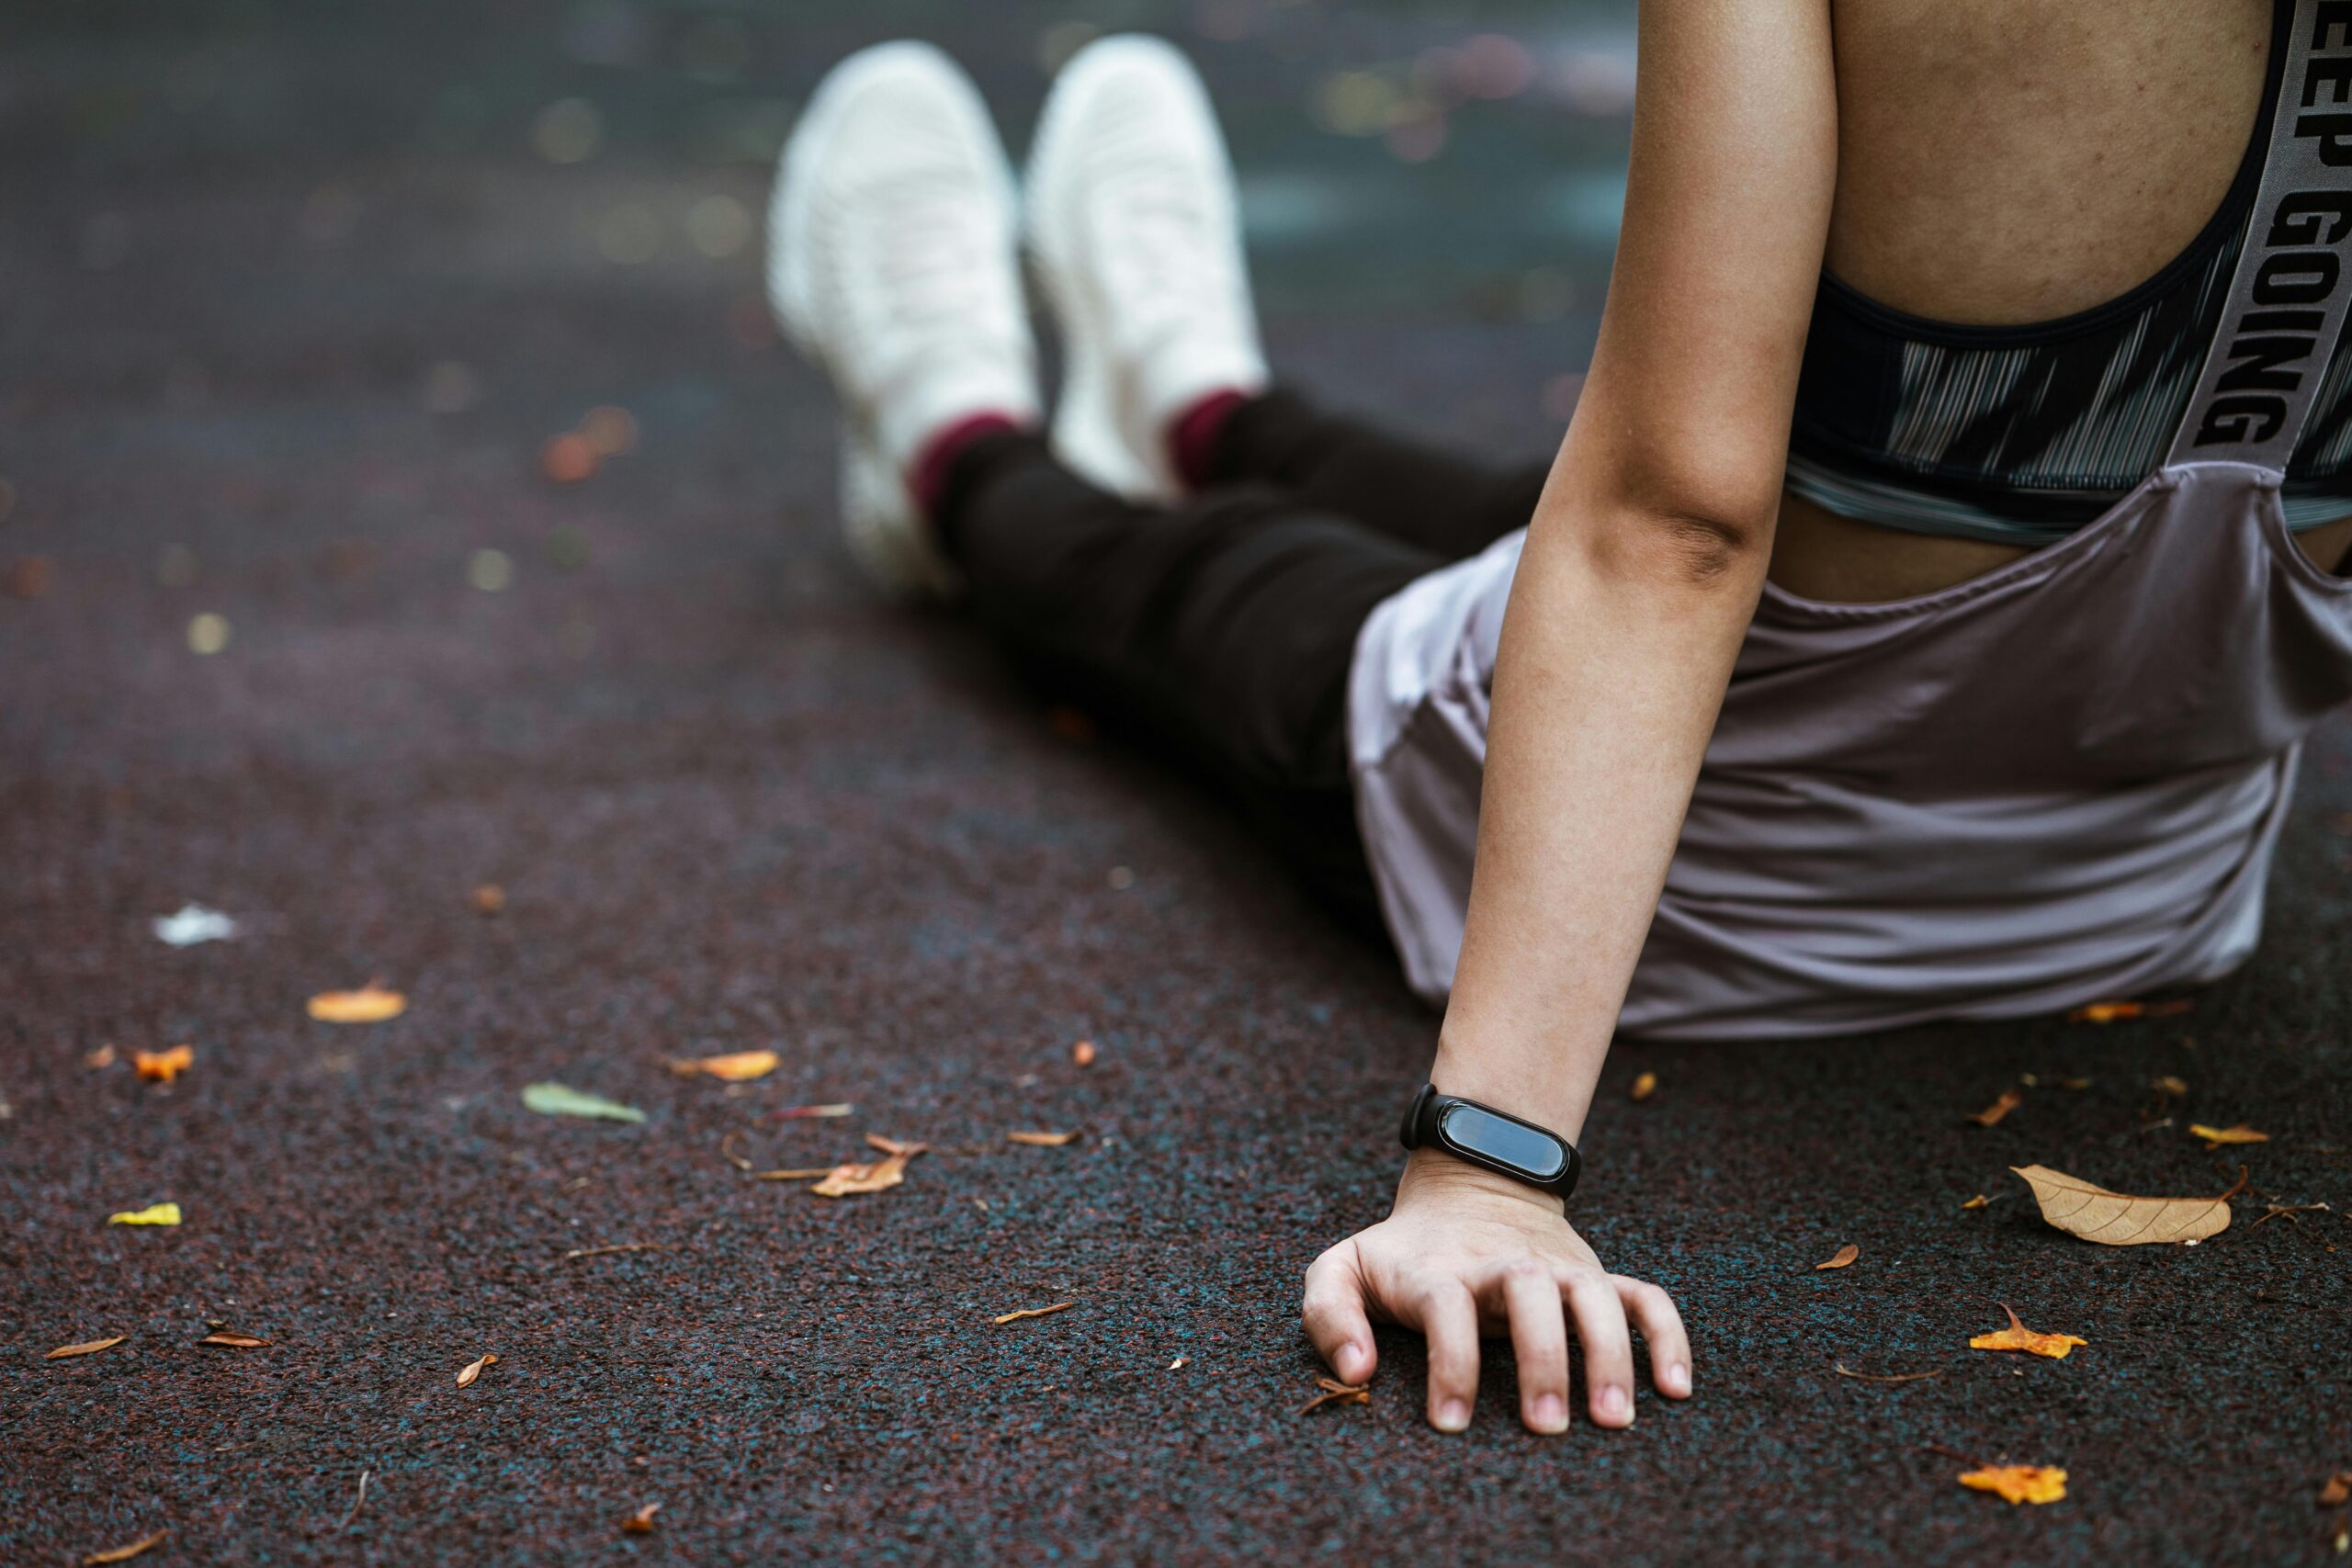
{"points": [[2245, 1173], [1037, 1311], [2287, 1211], [1841, 1369], [729, 1156], [344, 1523], [623, 1246], [1337, 1393]]}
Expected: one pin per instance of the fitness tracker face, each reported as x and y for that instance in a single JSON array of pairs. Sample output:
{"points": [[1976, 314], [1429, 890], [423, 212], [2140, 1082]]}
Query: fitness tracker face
{"points": [[1485, 1136]]}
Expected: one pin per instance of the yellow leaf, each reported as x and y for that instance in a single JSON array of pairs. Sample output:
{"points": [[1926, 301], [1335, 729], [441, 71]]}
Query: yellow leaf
{"points": [[122, 1553], [472, 1370], [736, 1067], [1844, 1255], [1041, 1140], [2019, 1482], [1979, 1202], [369, 1004], [162, 1067], [2017, 1337], [2116, 1219], [1644, 1085], [2216, 1136], [155, 1214], [87, 1348]]}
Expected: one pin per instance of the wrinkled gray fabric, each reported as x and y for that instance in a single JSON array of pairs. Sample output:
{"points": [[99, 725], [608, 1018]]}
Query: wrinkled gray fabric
{"points": [[2054, 783]]}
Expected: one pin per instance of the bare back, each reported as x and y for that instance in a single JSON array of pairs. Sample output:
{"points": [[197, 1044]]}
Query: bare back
{"points": [[2006, 161]]}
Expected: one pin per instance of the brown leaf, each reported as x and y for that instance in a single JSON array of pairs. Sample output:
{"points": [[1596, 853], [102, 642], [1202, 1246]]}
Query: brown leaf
{"points": [[234, 1340], [736, 1067], [1991, 1115], [86, 1348], [641, 1521], [2019, 1482], [1842, 1371], [369, 1004], [2169, 1084], [1644, 1085], [1083, 1053], [2336, 1491], [880, 1176], [1041, 1140], [472, 1370], [101, 1057], [2116, 1219], [1979, 1202], [1035, 1312], [2216, 1136], [2112, 1012], [1840, 1258], [801, 1173], [1337, 1393], [123, 1553], [489, 898], [2017, 1337], [893, 1146], [162, 1067]]}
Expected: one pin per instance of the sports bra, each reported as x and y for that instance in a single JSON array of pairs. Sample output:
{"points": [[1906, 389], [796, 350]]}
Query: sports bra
{"points": [[2021, 434]]}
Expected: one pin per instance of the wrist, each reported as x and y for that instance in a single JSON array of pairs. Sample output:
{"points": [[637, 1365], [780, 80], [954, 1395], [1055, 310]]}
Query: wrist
{"points": [[1433, 1175]]}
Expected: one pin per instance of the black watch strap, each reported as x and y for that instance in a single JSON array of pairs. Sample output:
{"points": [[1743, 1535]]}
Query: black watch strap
{"points": [[1495, 1139]]}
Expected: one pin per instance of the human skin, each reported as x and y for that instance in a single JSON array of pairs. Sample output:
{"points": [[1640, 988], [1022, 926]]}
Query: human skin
{"points": [[1930, 153]]}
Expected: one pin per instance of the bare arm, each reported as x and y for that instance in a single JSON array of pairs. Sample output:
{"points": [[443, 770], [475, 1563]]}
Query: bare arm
{"points": [[1640, 573]]}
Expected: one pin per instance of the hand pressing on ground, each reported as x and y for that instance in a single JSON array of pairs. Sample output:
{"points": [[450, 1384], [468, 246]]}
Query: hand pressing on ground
{"points": [[1466, 1252]]}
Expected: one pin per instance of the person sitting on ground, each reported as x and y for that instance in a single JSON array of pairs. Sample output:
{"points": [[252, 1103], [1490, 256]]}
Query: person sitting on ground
{"points": [[1920, 618]]}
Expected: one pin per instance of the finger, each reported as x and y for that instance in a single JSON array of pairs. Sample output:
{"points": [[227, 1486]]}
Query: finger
{"points": [[1335, 1315], [1608, 1349], [1449, 1320], [1539, 1337], [1654, 1314]]}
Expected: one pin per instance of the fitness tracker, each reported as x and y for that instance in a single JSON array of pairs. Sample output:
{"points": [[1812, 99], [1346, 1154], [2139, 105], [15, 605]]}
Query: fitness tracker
{"points": [[1484, 1136]]}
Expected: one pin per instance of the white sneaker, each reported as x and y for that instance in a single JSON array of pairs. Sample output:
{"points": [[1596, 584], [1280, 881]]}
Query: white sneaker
{"points": [[893, 263], [1134, 231]]}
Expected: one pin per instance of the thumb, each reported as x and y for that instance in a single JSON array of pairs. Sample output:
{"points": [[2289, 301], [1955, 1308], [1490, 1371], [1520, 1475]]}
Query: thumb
{"points": [[1335, 1315]]}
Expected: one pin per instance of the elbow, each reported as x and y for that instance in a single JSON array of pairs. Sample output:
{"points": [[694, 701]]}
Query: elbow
{"points": [[1695, 549]]}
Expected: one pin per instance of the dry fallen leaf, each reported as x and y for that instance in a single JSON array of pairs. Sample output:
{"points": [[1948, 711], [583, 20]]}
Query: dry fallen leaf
{"points": [[641, 1521], [877, 1177], [153, 1215], [234, 1340], [1644, 1085], [1841, 1257], [2169, 1084], [1979, 1202], [2216, 1136], [1083, 1053], [562, 1100], [2019, 1482], [123, 1553], [893, 1146], [798, 1173], [1337, 1393], [1041, 1140], [1035, 1312], [489, 898], [2116, 1219], [735, 1067], [2336, 1491], [162, 1067], [472, 1370], [369, 1004], [101, 1057], [1178, 1363], [2017, 1337], [797, 1112], [1991, 1115], [2112, 1012], [87, 1348]]}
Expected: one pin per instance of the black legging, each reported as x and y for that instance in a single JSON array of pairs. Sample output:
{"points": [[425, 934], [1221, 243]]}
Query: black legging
{"points": [[1219, 630]]}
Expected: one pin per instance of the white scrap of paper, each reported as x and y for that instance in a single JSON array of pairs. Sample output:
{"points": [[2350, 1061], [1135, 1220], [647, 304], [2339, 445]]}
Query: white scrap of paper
{"points": [[193, 924]]}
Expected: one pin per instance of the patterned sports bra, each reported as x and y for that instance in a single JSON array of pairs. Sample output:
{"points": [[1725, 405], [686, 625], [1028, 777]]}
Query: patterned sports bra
{"points": [[2021, 434]]}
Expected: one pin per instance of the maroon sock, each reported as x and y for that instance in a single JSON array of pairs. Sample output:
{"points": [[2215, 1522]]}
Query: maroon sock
{"points": [[927, 475], [1193, 435]]}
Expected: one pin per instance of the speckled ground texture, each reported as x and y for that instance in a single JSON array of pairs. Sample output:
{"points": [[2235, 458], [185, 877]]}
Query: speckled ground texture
{"points": [[737, 803]]}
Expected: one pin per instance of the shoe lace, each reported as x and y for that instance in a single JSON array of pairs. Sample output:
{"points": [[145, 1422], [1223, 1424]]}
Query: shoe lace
{"points": [[930, 256], [1162, 210]]}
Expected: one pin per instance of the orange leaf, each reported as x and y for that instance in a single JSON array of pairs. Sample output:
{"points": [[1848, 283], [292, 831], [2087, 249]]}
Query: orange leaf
{"points": [[1844, 1255], [1041, 1140], [87, 1348], [123, 1553], [1979, 1202], [2336, 1491], [1035, 1312], [2017, 1337], [641, 1521], [735, 1067], [1644, 1085], [1991, 1115], [1083, 1053], [2019, 1482], [234, 1341], [472, 1370], [2216, 1136], [878, 1176], [2116, 1219], [162, 1067], [1337, 1393], [369, 1004]]}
